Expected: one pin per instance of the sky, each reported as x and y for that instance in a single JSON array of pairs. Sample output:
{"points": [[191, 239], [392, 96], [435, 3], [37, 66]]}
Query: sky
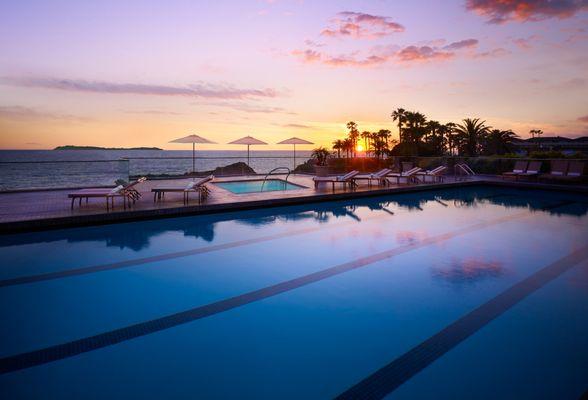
{"points": [[141, 73]]}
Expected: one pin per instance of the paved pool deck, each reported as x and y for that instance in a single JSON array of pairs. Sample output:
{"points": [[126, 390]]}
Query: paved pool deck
{"points": [[46, 209]]}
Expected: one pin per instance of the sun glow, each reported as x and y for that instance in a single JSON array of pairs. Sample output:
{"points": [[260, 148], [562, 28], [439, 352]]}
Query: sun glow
{"points": [[359, 148]]}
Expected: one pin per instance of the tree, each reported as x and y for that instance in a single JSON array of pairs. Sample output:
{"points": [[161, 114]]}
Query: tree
{"points": [[366, 135], [399, 115], [499, 142], [416, 128], [537, 132], [353, 135], [348, 146], [338, 145], [471, 134]]}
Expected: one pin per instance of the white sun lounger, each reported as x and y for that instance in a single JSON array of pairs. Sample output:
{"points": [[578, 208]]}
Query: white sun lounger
{"points": [[348, 178]]}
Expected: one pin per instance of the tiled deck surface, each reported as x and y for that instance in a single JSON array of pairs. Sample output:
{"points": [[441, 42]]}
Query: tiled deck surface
{"points": [[38, 209]]}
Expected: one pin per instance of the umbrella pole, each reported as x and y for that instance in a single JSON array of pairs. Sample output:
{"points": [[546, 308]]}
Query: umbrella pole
{"points": [[248, 156], [294, 155], [193, 158]]}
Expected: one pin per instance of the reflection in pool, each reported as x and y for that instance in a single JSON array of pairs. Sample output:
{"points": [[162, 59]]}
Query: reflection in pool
{"points": [[305, 301]]}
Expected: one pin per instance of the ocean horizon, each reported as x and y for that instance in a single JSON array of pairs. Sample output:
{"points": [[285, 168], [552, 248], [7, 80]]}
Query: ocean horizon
{"points": [[42, 169]]}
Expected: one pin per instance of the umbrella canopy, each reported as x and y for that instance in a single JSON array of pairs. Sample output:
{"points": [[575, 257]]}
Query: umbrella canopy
{"points": [[192, 139], [294, 141], [249, 141]]}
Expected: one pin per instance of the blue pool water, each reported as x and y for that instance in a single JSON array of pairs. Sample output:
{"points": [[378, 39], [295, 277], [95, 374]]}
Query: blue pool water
{"points": [[253, 186], [477, 292]]}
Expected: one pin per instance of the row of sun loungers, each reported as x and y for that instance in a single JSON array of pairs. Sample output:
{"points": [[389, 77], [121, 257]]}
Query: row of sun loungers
{"points": [[562, 170], [129, 193], [382, 177]]}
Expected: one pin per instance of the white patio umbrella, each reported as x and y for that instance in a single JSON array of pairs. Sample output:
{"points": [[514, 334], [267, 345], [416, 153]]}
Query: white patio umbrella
{"points": [[249, 141], [193, 139], [295, 141]]}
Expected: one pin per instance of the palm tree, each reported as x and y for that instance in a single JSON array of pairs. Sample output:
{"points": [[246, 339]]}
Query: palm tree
{"points": [[416, 126], [338, 145], [499, 142], [348, 146], [471, 134], [365, 135], [399, 115], [353, 135]]}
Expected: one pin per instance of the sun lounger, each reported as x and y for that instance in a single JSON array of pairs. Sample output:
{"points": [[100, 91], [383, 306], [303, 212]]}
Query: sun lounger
{"points": [[379, 176], [347, 179], [558, 170], [519, 168], [197, 186], [406, 166], [532, 170], [575, 171], [436, 174], [128, 192], [409, 175]]}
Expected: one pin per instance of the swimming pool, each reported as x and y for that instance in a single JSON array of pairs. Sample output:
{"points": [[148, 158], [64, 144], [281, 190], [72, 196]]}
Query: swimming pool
{"points": [[478, 292], [257, 185]]}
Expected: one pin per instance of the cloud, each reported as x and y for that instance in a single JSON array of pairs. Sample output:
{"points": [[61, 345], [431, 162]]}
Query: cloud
{"points": [[26, 114], [379, 55], [251, 108], [153, 112], [494, 53], [312, 43], [501, 11], [297, 126], [462, 44], [584, 119], [361, 26], [202, 90], [523, 43], [423, 53]]}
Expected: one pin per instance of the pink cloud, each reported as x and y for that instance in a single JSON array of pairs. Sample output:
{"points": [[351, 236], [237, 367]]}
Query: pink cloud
{"points": [[498, 52], [423, 53], [462, 44], [501, 11], [379, 55], [362, 26], [202, 90], [584, 119]]}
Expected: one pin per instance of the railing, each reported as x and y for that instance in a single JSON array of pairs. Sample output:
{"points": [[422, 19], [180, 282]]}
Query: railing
{"points": [[23, 175]]}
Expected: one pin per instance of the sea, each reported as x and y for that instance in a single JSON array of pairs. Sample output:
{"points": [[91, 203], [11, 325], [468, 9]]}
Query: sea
{"points": [[50, 169]]}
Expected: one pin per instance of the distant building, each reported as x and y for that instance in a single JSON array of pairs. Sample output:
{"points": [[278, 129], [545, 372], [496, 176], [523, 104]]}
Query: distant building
{"points": [[552, 143]]}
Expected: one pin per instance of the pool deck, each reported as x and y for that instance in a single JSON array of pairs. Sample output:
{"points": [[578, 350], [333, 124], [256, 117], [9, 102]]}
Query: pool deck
{"points": [[45, 209]]}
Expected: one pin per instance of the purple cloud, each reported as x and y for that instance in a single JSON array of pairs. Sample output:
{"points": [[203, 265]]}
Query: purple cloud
{"points": [[583, 119], [362, 26], [202, 90], [26, 114], [501, 11], [462, 44]]}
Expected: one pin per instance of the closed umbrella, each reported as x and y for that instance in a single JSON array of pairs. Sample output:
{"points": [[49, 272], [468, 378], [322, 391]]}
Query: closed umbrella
{"points": [[249, 141], [295, 141], [192, 139]]}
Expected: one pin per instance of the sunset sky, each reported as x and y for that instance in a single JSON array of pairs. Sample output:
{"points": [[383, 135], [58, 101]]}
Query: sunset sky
{"points": [[141, 73]]}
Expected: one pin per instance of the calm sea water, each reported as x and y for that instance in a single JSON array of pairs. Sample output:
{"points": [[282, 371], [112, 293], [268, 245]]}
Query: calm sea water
{"points": [[23, 169]]}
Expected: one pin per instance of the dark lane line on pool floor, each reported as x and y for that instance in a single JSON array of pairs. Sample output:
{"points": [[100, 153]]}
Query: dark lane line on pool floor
{"points": [[23, 280], [167, 256], [73, 348], [387, 379]]}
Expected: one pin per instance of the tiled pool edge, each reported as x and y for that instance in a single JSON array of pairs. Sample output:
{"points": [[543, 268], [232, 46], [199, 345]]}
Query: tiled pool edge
{"points": [[138, 215]]}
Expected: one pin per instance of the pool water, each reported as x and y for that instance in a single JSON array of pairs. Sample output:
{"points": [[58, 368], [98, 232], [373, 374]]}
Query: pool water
{"points": [[252, 186], [478, 292]]}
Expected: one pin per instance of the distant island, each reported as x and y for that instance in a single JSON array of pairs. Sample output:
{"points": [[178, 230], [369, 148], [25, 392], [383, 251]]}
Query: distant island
{"points": [[69, 147]]}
